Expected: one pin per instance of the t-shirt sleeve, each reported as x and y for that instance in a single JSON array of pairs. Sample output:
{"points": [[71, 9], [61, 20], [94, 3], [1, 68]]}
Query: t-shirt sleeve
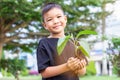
{"points": [[42, 57]]}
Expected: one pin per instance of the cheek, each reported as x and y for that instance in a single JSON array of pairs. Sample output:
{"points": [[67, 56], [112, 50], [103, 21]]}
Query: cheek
{"points": [[49, 23], [48, 26], [45, 26]]}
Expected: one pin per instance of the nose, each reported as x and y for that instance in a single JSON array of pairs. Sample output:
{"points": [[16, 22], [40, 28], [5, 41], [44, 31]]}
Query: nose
{"points": [[55, 20]]}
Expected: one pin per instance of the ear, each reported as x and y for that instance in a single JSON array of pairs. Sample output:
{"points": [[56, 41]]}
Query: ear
{"points": [[44, 25], [65, 17]]}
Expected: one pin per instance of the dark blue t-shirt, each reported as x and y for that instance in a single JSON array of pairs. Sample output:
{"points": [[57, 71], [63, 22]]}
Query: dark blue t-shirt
{"points": [[47, 56]]}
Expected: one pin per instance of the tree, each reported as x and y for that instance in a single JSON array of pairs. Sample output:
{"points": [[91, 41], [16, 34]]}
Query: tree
{"points": [[13, 66], [114, 56], [17, 18], [103, 16]]}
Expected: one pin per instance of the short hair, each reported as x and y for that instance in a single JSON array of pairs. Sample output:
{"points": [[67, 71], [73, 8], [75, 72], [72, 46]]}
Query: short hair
{"points": [[48, 7]]}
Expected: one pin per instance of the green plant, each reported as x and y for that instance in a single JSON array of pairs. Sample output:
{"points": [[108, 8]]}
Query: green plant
{"points": [[114, 57], [5, 73], [91, 69], [79, 45], [81, 48], [25, 72], [13, 66]]}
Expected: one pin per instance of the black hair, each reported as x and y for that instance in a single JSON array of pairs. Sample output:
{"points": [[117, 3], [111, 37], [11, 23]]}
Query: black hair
{"points": [[48, 7]]}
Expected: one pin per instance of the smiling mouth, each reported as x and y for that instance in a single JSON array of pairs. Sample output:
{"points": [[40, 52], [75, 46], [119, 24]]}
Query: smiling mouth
{"points": [[56, 26]]}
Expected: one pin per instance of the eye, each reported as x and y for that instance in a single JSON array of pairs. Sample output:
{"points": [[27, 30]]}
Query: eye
{"points": [[59, 16], [49, 19]]}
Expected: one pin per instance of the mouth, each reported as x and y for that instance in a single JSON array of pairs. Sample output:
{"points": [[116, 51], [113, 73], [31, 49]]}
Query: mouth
{"points": [[56, 27]]}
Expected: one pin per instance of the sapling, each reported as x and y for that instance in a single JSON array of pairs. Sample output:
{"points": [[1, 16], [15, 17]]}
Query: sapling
{"points": [[81, 47]]}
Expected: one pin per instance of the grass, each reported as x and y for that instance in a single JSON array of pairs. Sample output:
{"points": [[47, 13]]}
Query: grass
{"points": [[22, 78], [82, 78], [100, 78]]}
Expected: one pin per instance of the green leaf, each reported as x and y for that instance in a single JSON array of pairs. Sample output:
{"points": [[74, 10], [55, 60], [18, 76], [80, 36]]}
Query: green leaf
{"points": [[84, 47], [85, 32], [62, 43]]}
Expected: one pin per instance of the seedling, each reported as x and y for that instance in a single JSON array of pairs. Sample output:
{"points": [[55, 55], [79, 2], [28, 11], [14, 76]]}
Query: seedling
{"points": [[79, 45]]}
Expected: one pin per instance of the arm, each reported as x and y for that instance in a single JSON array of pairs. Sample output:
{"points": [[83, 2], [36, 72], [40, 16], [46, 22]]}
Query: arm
{"points": [[71, 64], [55, 70]]}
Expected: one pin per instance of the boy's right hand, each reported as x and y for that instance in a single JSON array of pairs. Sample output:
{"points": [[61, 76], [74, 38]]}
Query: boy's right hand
{"points": [[73, 63]]}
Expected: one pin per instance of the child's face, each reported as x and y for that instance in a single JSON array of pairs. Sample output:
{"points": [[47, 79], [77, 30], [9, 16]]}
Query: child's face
{"points": [[55, 21]]}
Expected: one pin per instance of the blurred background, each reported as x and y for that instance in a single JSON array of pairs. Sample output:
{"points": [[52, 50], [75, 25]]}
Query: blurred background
{"points": [[21, 30]]}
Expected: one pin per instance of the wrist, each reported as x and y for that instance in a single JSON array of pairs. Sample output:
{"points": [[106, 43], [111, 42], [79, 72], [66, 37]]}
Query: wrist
{"points": [[67, 67]]}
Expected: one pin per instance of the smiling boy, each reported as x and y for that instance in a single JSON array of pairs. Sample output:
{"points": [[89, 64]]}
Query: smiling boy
{"points": [[50, 65]]}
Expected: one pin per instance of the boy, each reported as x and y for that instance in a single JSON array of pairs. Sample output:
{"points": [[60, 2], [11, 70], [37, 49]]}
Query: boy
{"points": [[51, 65]]}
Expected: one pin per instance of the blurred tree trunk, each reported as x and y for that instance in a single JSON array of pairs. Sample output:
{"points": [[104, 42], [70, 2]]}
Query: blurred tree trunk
{"points": [[1, 50], [104, 61], [1, 38]]}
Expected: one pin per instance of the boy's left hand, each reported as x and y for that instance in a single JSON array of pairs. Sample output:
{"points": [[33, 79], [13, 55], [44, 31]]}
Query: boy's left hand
{"points": [[82, 63]]}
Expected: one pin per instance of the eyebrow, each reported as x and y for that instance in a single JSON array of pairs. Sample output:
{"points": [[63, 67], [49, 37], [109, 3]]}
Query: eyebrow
{"points": [[51, 17]]}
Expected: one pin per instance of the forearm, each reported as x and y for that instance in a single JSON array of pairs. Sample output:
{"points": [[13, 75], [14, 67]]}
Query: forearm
{"points": [[55, 70]]}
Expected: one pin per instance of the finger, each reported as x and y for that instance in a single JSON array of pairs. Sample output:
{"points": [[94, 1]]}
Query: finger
{"points": [[73, 64], [83, 63], [76, 64], [71, 58], [73, 61]]}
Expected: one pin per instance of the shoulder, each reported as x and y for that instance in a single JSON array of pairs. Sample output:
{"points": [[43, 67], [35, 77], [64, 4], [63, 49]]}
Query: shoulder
{"points": [[48, 41], [41, 42]]}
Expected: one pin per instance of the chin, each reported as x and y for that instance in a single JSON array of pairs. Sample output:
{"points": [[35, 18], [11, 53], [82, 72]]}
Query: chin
{"points": [[56, 32]]}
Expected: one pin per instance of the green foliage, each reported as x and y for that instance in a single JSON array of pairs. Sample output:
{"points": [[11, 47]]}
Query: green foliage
{"points": [[13, 66], [85, 32], [99, 78], [5, 73], [91, 68], [61, 44], [115, 69], [83, 46], [116, 64], [15, 17], [116, 42], [115, 57], [24, 72], [23, 9]]}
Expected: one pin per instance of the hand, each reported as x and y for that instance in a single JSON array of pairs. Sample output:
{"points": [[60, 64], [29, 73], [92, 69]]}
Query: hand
{"points": [[74, 63], [82, 67], [82, 63]]}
